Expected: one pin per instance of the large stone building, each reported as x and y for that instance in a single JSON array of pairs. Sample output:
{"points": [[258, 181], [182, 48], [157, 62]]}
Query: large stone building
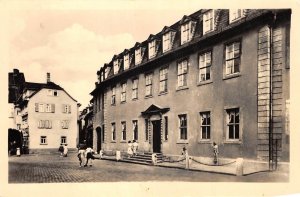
{"points": [[45, 114], [214, 76]]}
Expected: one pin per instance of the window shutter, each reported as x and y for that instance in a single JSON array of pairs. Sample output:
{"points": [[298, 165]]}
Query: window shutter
{"points": [[36, 107], [158, 42], [69, 109], [50, 124], [143, 49], [172, 39], [193, 29], [53, 108]]}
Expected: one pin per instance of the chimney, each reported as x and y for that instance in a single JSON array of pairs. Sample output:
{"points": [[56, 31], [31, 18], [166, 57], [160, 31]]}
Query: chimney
{"points": [[48, 78]]}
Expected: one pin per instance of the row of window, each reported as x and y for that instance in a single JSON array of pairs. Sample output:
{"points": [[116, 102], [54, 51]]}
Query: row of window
{"points": [[50, 108], [232, 127], [232, 66], [47, 124], [44, 141], [187, 30]]}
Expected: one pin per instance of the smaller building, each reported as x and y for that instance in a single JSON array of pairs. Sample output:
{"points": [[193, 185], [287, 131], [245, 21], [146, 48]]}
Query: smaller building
{"points": [[85, 126], [46, 115]]}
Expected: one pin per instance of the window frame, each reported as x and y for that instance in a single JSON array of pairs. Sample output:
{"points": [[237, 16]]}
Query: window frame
{"points": [[126, 59], [123, 131], [184, 74], [164, 79], [226, 60], [205, 67], [43, 140], [116, 63], [208, 19], [232, 15], [166, 46], [113, 132], [135, 86], [135, 130], [113, 95], [149, 84], [123, 92], [185, 28], [206, 126], [152, 49], [138, 56], [227, 124], [182, 128], [65, 140]]}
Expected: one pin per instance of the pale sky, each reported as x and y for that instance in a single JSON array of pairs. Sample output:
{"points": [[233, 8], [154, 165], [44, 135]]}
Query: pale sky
{"points": [[72, 44]]}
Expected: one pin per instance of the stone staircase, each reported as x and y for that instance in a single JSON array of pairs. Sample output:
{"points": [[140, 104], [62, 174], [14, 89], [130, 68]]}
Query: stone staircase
{"points": [[143, 158]]}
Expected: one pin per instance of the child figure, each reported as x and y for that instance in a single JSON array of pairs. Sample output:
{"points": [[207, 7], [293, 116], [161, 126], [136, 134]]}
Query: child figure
{"points": [[129, 149], [80, 156], [89, 155], [135, 147]]}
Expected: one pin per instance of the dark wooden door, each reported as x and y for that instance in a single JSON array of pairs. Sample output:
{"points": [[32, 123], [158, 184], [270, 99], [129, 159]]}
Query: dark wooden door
{"points": [[156, 136]]}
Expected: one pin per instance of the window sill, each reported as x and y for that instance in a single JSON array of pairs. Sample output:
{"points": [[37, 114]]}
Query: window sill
{"points": [[123, 102], [113, 104], [148, 96], [231, 76], [123, 141], [204, 142], [233, 142], [113, 142], [182, 142], [182, 88], [162, 93], [43, 144], [134, 99], [204, 82]]}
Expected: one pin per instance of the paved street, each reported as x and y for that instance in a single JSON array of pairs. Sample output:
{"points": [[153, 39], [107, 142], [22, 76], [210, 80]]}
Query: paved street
{"points": [[52, 168]]}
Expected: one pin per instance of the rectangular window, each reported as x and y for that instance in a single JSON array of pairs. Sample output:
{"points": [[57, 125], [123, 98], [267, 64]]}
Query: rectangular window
{"points": [[205, 125], [48, 108], [113, 131], [135, 129], [166, 128], [166, 42], [233, 124], [183, 126], [185, 33], [44, 124], [41, 107], [235, 14], [52, 92], [163, 80], [44, 140], [204, 66], [208, 21], [66, 108], [123, 92], [126, 61], [65, 124], [63, 140], [107, 69], [146, 129], [182, 73], [116, 66], [123, 124], [152, 48], [113, 95], [135, 89], [233, 58], [138, 56], [149, 84]]}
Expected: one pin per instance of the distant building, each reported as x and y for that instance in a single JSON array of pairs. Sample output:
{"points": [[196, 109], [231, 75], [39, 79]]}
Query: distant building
{"points": [[46, 115], [85, 126], [214, 76]]}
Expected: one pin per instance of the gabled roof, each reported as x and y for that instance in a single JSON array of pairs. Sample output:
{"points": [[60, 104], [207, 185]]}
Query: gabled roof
{"points": [[167, 29], [137, 44], [151, 37], [186, 18]]}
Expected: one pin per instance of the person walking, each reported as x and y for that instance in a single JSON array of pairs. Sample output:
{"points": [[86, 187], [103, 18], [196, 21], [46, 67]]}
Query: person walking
{"points": [[65, 150], [129, 149], [135, 146], [81, 156], [61, 150], [88, 156]]}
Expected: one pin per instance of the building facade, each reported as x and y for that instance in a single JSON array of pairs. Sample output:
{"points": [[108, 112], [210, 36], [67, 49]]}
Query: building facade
{"points": [[214, 76], [47, 117]]}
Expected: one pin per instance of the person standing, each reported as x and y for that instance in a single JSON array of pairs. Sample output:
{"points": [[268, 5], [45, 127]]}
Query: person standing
{"points": [[129, 149], [135, 146], [81, 156], [65, 150], [88, 156], [61, 150]]}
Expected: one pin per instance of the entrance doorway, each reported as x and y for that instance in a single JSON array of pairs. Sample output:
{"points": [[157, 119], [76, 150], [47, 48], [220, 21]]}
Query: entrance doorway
{"points": [[98, 130], [156, 136]]}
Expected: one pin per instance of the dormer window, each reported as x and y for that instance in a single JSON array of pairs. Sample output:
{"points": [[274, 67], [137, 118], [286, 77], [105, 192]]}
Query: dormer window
{"points": [[168, 39], [138, 56], [126, 61], [116, 66], [152, 48], [107, 69], [187, 31], [208, 21], [235, 14]]}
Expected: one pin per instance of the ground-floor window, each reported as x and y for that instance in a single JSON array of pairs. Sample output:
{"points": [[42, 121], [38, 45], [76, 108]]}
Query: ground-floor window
{"points": [[123, 130], [63, 140], [113, 131], [183, 126], [43, 139], [135, 129], [233, 124], [205, 125]]}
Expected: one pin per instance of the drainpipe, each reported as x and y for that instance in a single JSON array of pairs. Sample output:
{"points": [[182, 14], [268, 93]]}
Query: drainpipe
{"points": [[271, 95]]}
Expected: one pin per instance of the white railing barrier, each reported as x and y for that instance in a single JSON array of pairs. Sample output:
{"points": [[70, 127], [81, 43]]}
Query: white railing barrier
{"points": [[118, 155], [154, 158], [101, 154]]}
